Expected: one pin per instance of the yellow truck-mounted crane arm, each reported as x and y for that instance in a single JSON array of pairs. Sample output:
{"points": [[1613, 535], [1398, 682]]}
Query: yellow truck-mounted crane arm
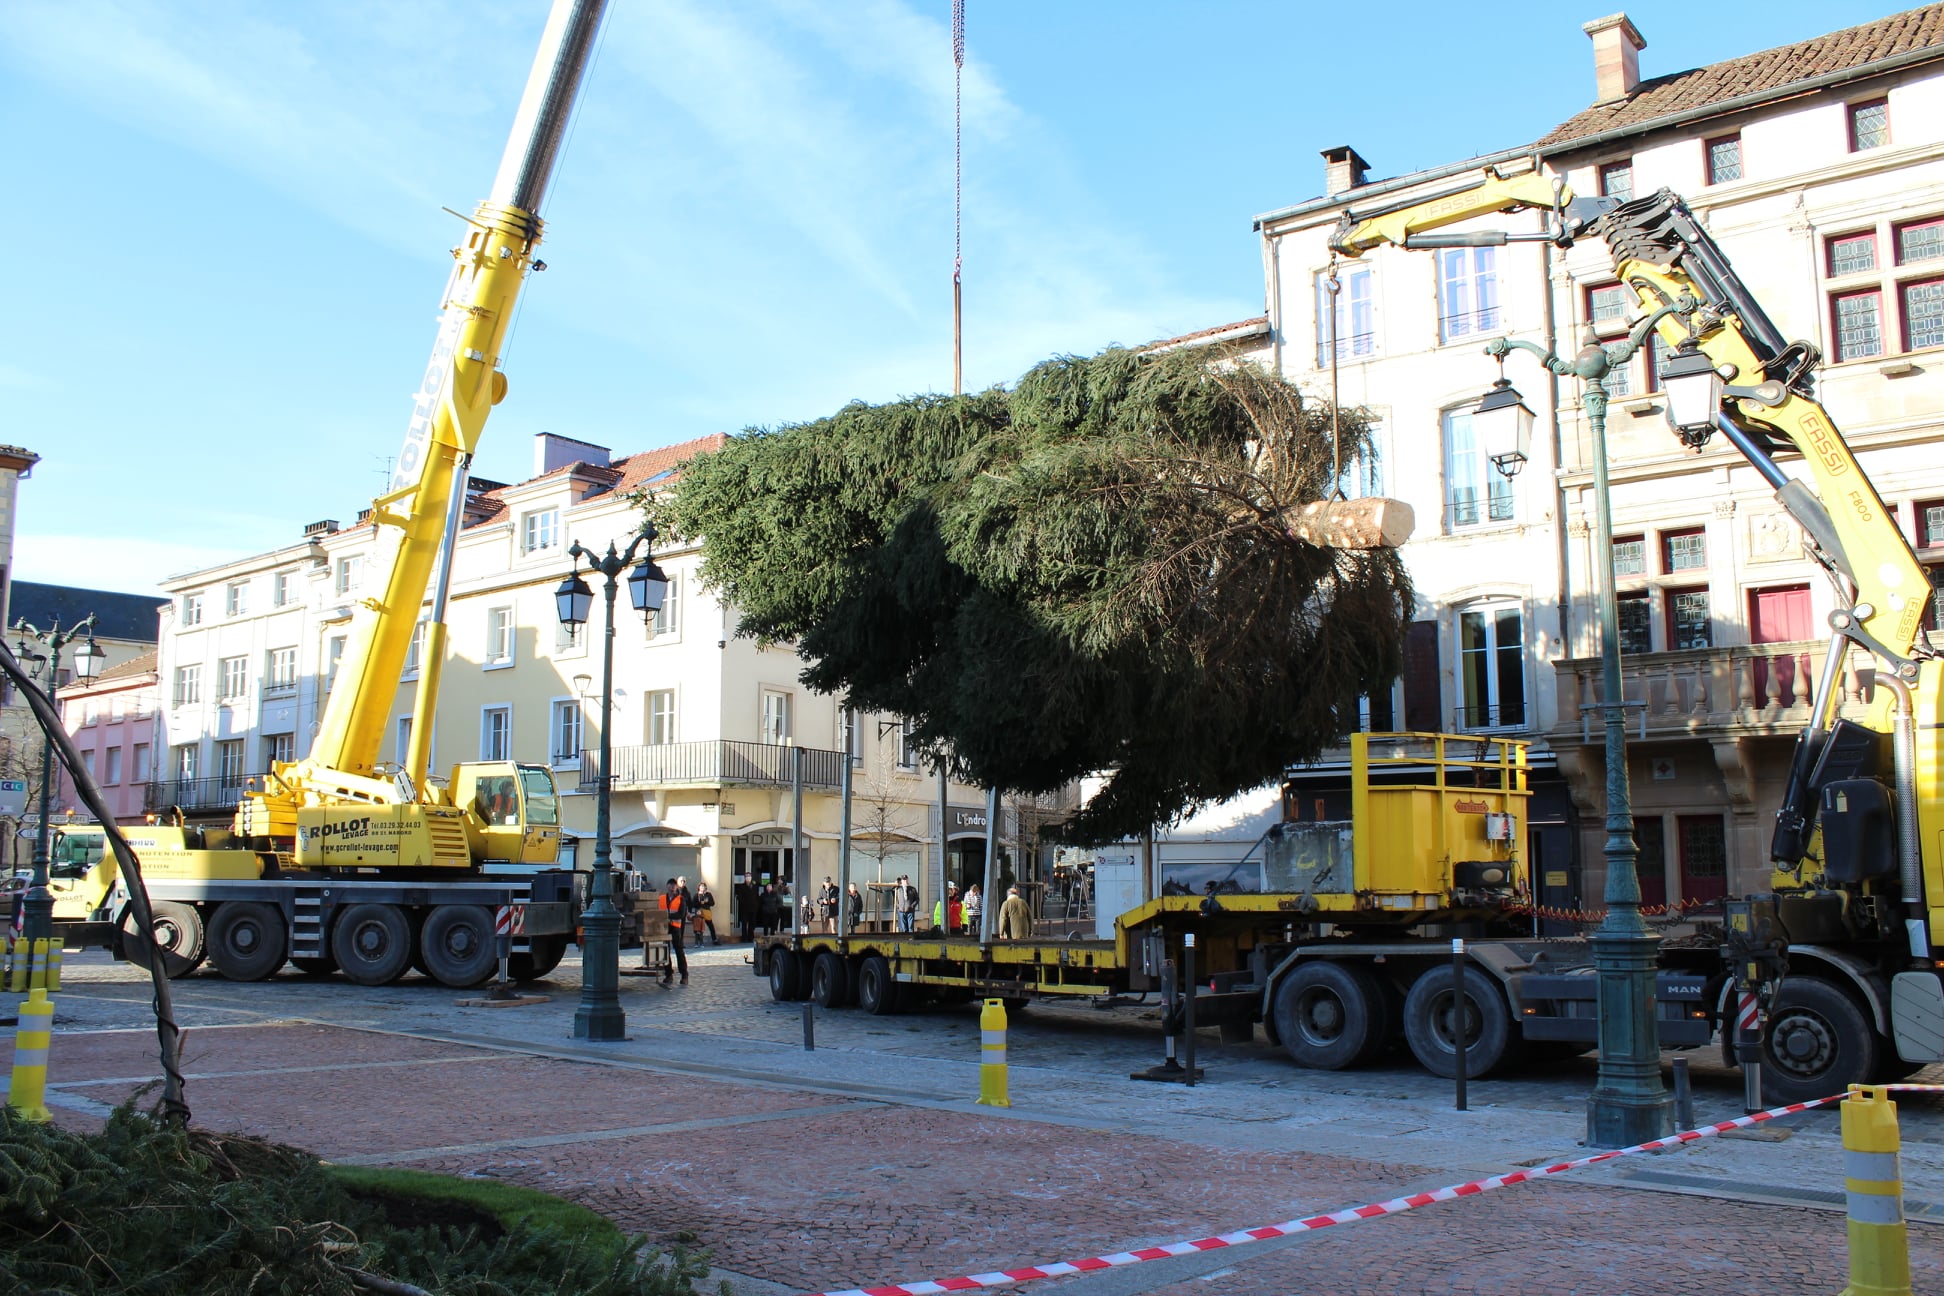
{"points": [[1766, 407], [418, 519]]}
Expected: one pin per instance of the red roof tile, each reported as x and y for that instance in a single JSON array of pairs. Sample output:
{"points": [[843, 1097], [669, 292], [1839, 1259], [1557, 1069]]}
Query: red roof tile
{"points": [[1774, 70], [623, 474]]}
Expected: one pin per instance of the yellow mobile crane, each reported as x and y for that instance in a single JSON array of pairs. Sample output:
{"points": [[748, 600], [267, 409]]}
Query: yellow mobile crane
{"points": [[337, 862], [1845, 940]]}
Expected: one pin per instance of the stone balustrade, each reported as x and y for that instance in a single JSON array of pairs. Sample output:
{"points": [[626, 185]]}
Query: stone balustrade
{"points": [[1759, 688]]}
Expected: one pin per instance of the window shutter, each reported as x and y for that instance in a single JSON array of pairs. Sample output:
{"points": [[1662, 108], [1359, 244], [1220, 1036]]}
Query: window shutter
{"points": [[1422, 704]]}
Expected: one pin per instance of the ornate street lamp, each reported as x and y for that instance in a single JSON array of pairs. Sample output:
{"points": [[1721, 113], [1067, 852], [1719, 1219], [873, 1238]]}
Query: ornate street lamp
{"points": [[37, 906], [1629, 1104], [599, 1016]]}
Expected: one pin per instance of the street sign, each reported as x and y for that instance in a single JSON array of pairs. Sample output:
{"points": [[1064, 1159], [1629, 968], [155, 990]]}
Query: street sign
{"points": [[13, 798]]}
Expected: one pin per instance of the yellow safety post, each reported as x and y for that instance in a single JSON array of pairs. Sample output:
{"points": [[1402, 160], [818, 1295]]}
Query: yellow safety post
{"points": [[53, 965], [993, 1087], [1879, 1248], [18, 958], [28, 1092]]}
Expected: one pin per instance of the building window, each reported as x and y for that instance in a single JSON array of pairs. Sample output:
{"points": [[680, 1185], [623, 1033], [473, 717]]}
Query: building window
{"points": [[333, 656], [496, 733], [1684, 550], [282, 593], [87, 762], [1934, 613], [1636, 623], [776, 716], [1688, 622], [1920, 241], [1363, 476], [1852, 254], [1476, 492], [415, 651], [570, 637], [1608, 304], [540, 530], [1724, 159], [141, 762], [236, 600], [1491, 666], [188, 685], [1468, 295], [499, 636], [1704, 857], [229, 761], [1869, 125], [1630, 556], [1619, 380], [1616, 180], [112, 775], [1858, 324], [1923, 314], [192, 609], [350, 573], [850, 727], [279, 749], [236, 677], [1930, 524], [403, 739], [185, 762], [564, 742], [667, 618], [661, 717], [282, 673], [1352, 325], [907, 748]]}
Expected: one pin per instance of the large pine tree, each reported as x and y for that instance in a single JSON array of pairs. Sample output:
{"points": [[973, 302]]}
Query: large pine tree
{"points": [[1090, 572]]}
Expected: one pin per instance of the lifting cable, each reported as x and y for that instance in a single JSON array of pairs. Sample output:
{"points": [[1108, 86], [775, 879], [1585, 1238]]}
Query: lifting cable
{"points": [[958, 190], [1332, 286]]}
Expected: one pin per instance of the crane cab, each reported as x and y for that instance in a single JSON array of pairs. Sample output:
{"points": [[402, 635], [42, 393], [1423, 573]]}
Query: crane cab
{"points": [[512, 811]]}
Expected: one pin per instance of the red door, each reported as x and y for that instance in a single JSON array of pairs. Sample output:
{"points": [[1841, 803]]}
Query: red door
{"points": [[1778, 615], [1650, 861], [1704, 860]]}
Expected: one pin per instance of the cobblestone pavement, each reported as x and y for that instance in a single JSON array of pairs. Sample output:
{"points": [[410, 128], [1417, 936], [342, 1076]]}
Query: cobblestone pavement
{"points": [[864, 1161]]}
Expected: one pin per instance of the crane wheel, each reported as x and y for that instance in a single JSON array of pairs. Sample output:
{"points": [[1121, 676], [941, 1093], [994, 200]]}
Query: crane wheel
{"points": [[248, 940], [456, 946], [1819, 1040], [178, 931], [1430, 1023], [372, 943], [1331, 1015], [829, 980], [877, 990], [784, 975]]}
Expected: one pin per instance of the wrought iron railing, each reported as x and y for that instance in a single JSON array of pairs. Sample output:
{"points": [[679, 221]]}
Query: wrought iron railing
{"points": [[722, 763], [197, 795]]}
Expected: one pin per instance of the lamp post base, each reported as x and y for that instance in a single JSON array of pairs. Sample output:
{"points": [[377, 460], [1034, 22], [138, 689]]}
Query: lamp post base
{"points": [[1617, 1120], [599, 1016], [1629, 1105]]}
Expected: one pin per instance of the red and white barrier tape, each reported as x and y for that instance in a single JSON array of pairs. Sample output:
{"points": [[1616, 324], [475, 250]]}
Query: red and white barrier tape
{"points": [[1395, 1205]]}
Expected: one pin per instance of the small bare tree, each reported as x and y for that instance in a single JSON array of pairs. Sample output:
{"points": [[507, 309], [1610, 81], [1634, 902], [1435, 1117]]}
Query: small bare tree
{"points": [[884, 825]]}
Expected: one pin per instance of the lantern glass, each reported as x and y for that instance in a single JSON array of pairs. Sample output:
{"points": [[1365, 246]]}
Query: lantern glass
{"points": [[1502, 426], [647, 587], [573, 600], [88, 660], [1693, 391]]}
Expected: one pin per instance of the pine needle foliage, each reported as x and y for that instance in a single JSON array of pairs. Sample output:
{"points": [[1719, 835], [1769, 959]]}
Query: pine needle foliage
{"points": [[1091, 571], [145, 1208]]}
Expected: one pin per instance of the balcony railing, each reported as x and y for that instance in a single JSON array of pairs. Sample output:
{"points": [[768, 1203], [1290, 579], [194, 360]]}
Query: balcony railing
{"points": [[1764, 688], [199, 795], [713, 764]]}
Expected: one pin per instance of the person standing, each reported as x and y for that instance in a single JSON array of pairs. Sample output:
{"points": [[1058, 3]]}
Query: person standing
{"points": [[855, 900], [827, 903], [974, 903], [904, 900], [747, 907], [1015, 919], [705, 914], [674, 905]]}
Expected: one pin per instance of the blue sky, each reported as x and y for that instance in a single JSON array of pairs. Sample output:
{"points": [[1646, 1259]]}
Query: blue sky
{"points": [[230, 244]]}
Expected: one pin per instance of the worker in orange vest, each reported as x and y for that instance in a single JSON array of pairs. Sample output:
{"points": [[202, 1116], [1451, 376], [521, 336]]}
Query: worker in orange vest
{"points": [[675, 906]]}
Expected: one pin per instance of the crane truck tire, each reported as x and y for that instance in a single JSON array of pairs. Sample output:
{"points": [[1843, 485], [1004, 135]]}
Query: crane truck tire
{"points": [[785, 975], [829, 980], [1428, 1023], [1331, 1015], [179, 933], [1819, 1041], [877, 991], [247, 940], [543, 956], [372, 943], [457, 946]]}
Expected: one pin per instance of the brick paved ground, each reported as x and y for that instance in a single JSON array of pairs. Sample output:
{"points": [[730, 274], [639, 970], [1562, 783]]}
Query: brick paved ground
{"points": [[808, 1169]]}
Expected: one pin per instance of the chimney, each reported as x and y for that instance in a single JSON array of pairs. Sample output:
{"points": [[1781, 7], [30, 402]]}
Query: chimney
{"points": [[551, 451], [1616, 56], [1343, 169]]}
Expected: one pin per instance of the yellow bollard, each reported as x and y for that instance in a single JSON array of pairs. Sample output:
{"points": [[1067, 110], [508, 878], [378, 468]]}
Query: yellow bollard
{"points": [[53, 965], [1879, 1248], [993, 1087], [28, 1092], [18, 961]]}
